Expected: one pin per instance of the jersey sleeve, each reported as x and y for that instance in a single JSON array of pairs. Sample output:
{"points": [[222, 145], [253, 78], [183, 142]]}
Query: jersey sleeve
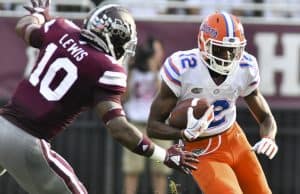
{"points": [[37, 37], [252, 75], [111, 85], [48, 31], [113, 81], [113, 76], [171, 74]]}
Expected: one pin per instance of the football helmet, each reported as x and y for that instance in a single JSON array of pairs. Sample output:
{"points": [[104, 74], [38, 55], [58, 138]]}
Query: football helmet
{"points": [[221, 42], [112, 29]]}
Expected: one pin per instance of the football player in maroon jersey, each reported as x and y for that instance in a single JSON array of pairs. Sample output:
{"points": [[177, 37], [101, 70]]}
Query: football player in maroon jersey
{"points": [[76, 69]]}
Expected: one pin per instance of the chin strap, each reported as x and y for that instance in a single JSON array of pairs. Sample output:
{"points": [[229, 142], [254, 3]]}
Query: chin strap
{"points": [[110, 46]]}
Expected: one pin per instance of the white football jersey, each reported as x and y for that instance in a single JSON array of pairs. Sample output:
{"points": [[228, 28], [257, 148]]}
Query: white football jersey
{"points": [[187, 76]]}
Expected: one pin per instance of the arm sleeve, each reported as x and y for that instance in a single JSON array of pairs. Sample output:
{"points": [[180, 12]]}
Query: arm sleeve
{"points": [[49, 31], [110, 87], [108, 77], [252, 77], [170, 74]]}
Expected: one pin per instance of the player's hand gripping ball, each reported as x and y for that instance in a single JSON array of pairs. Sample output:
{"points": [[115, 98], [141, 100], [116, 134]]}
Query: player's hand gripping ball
{"points": [[178, 116], [193, 115]]}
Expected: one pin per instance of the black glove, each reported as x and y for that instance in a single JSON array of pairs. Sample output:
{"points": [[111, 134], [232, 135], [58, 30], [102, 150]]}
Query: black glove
{"points": [[38, 6], [180, 160]]}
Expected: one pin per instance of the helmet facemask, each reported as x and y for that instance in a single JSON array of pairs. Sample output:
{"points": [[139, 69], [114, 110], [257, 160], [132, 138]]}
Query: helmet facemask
{"points": [[129, 51], [224, 55]]}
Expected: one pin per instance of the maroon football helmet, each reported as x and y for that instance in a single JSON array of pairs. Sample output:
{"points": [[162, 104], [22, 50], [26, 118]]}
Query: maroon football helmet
{"points": [[112, 29]]}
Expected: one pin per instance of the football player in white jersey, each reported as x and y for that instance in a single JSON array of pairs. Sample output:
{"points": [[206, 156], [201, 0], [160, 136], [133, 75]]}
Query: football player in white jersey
{"points": [[219, 71], [83, 67]]}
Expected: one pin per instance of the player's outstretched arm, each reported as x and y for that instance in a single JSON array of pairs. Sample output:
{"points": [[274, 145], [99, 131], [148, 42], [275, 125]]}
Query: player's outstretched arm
{"points": [[27, 25], [268, 128], [130, 137]]}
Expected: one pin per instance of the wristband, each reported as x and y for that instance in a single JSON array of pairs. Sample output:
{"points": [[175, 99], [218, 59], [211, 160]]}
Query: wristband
{"points": [[39, 17], [143, 147], [159, 154]]}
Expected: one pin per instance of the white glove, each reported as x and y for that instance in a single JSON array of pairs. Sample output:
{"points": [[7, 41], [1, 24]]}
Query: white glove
{"points": [[195, 127], [266, 146]]}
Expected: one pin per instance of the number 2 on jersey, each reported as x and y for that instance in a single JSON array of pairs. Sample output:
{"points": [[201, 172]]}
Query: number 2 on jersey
{"points": [[219, 107], [188, 60], [53, 94]]}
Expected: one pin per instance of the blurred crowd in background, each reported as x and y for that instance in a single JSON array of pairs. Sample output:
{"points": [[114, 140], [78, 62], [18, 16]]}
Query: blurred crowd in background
{"points": [[256, 8]]}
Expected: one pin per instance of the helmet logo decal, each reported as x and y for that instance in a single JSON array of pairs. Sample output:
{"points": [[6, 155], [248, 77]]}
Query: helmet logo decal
{"points": [[98, 24], [116, 27], [207, 29]]}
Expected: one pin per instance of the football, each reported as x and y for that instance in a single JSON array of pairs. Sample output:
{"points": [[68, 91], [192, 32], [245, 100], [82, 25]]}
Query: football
{"points": [[178, 116]]}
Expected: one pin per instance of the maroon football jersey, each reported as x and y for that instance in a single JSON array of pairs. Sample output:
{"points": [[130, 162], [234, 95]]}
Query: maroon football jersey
{"points": [[69, 76]]}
